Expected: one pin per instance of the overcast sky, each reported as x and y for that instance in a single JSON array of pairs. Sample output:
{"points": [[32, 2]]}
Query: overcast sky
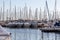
{"points": [[31, 3]]}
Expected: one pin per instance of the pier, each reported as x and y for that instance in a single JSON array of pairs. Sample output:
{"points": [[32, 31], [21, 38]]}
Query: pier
{"points": [[50, 29]]}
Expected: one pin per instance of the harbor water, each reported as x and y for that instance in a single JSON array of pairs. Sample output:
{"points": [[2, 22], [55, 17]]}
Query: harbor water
{"points": [[32, 34]]}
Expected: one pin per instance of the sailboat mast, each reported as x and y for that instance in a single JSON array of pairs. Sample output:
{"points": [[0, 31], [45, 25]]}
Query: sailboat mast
{"points": [[10, 9], [1, 14], [7, 15], [3, 9], [15, 13], [40, 14], [36, 14], [30, 15], [55, 8], [53, 16], [45, 16], [47, 11], [20, 13]]}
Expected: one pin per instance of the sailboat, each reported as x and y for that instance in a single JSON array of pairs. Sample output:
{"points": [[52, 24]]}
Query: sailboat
{"points": [[54, 26], [4, 35]]}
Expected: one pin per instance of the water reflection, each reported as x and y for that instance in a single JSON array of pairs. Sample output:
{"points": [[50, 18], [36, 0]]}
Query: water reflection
{"points": [[32, 34]]}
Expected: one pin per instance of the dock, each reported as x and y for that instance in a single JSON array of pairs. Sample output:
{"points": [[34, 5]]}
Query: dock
{"points": [[50, 29]]}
